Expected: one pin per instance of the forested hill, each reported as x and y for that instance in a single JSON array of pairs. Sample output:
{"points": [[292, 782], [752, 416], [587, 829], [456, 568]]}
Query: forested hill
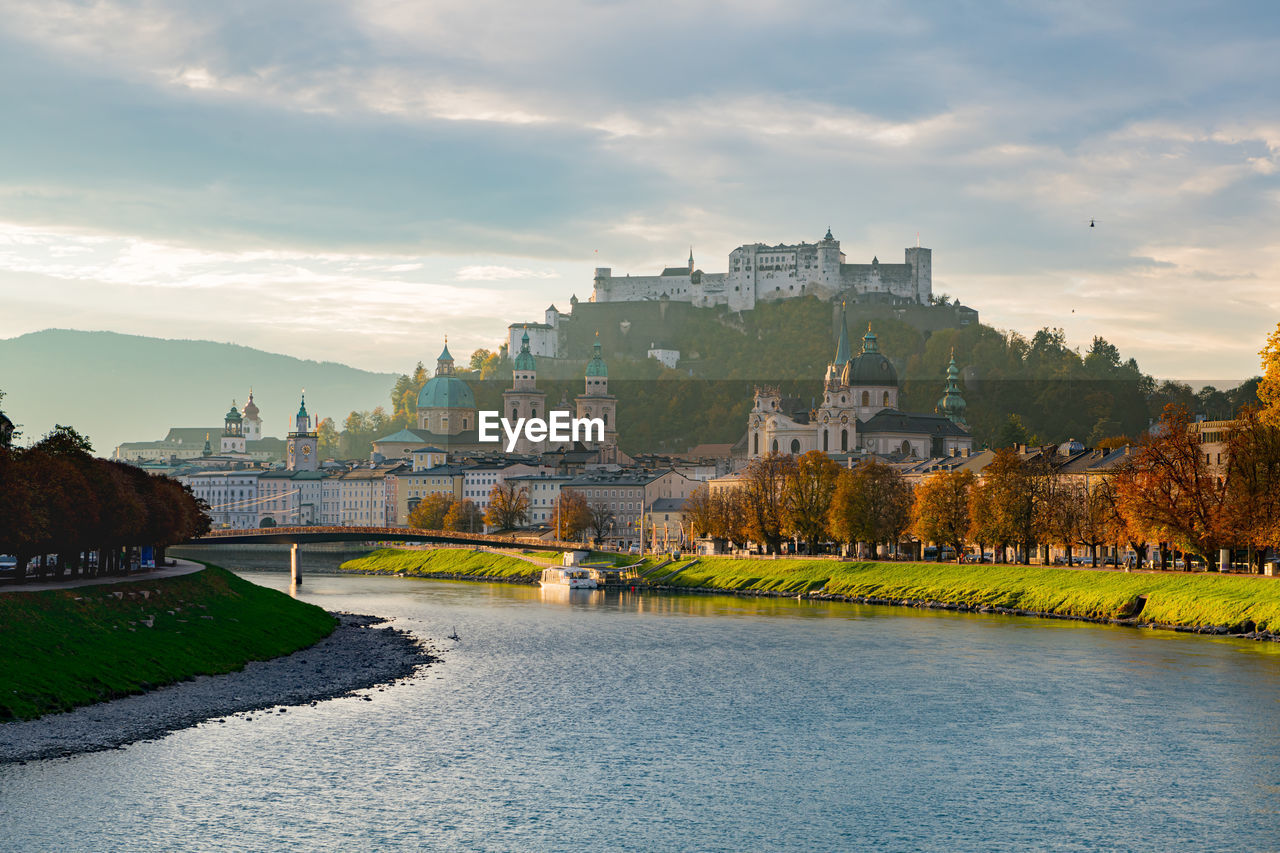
{"points": [[1018, 387], [117, 388]]}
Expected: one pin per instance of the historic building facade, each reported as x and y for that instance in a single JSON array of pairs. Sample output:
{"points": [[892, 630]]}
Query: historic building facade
{"points": [[858, 413], [758, 272]]}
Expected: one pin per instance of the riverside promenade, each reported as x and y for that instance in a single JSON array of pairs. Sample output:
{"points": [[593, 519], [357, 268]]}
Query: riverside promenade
{"points": [[179, 567]]}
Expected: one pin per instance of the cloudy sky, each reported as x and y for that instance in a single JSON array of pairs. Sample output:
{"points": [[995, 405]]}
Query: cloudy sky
{"points": [[352, 179]]}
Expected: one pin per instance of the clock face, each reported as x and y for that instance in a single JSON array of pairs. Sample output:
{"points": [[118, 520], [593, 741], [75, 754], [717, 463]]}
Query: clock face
{"points": [[306, 448]]}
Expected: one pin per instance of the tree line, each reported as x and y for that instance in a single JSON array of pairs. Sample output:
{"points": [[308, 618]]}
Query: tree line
{"points": [[82, 515], [572, 516]]}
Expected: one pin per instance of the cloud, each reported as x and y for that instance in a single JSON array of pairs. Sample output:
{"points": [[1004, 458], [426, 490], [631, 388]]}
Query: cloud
{"points": [[500, 273]]}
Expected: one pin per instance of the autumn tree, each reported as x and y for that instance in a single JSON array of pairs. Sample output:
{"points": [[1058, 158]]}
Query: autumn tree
{"points": [[464, 516], [1269, 386], [430, 512], [570, 514], [508, 505], [1006, 503], [808, 488], [1252, 500], [872, 504], [1168, 491], [940, 511], [699, 512], [764, 490]]}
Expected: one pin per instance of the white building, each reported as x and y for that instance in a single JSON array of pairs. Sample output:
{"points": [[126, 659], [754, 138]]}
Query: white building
{"points": [[544, 338], [758, 272], [232, 497]]}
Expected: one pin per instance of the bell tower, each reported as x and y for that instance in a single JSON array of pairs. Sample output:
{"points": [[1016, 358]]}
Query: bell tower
{"points": [[302, 444], [596, 401], [523, 399]]}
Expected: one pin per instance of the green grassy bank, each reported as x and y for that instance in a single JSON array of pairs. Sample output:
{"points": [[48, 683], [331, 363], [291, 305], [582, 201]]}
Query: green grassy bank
{"points": [[459, 563], [1184, 600], [63, 648], [1191, 600]]}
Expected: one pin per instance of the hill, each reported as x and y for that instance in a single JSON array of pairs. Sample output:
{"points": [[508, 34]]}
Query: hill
{"points": [[117, 388]]}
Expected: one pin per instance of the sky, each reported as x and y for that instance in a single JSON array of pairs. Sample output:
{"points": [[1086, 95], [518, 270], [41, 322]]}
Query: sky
{"points": [[351, 180]]}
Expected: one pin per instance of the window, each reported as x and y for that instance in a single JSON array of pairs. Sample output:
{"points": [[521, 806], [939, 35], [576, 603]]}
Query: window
{"points": [[844, 439], [756, 450], [866, 398], [775, 445], [795, 446], [826, 440], [886, 398]]}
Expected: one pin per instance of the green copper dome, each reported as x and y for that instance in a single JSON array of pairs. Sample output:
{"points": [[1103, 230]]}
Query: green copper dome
{"points": [[596, 367], [233, 415], [302, 407], [446, 392], [870, 367], [524, 361]]}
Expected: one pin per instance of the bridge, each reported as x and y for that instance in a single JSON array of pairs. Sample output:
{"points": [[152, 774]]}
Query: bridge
{"points": [[295, 536]]}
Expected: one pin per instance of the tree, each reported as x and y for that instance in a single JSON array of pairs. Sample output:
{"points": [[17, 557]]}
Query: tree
{"points": [[463, 516], [508, 506], [872, 504], [700, 512], [570, 515], [809, 487], [1168, 492], [940, 512], [478, 358], [1269, 386], [1014, 432], [1252, 501], [763, 487], [601, 521], [1006, 503], [431, 511], [328, 442]]}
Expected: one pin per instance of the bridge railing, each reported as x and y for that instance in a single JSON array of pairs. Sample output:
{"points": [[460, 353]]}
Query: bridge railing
{"points": [[392, 534]]}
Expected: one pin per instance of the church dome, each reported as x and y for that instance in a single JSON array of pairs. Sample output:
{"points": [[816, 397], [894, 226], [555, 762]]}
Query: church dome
{"points": [[251, 408], [597, 367], [233, 415], [869, 367], [524, 359], [446, 392]]}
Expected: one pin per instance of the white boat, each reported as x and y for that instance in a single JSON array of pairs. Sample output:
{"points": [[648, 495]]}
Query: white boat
{"points": [[572, 577]]}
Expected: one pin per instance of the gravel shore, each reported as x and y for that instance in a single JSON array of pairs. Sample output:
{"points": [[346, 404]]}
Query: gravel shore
{"points": [[359, 654]]}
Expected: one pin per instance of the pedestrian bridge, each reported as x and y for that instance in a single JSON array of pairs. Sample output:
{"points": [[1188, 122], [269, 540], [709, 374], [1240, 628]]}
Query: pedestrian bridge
{"points": [[296, 536]]}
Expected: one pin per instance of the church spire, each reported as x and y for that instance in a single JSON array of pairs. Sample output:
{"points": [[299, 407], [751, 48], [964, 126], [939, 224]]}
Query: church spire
{"points": [[843, 352], [869, 343], [952, 403]]}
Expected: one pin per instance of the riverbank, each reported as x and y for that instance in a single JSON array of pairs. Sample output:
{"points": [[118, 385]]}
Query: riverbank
{"points": [[454, 564], [1203, 603], [358, 655], [64, 648]]}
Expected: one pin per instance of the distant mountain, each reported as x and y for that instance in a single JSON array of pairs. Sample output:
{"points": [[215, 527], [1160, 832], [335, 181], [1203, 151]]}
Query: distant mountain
{"points": [[117, 388]]}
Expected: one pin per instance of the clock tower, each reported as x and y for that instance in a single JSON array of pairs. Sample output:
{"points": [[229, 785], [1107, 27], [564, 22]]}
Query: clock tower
{"points": [[303, 442]]}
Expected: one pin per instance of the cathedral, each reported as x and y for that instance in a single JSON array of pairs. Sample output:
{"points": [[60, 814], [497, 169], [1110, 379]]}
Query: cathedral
{"points": [[448, 418], [858, 413]]}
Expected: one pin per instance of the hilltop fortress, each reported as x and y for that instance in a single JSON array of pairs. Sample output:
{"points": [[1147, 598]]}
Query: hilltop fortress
{"points": [[762, 273]]}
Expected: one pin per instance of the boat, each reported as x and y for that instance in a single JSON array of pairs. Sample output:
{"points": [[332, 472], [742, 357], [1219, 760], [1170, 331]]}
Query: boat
{"points": [[572, 577]]}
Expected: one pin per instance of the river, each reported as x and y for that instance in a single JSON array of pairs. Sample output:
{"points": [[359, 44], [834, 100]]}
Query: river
{"points": [[661, 722]]}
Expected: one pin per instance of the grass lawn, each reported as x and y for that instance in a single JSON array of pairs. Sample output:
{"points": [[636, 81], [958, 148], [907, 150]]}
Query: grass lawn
{"points": [[63, 648], [1171, 599], [452, 562]]}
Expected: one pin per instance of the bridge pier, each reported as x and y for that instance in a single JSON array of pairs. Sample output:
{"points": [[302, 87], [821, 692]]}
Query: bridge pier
{"points": [[295, 568]]}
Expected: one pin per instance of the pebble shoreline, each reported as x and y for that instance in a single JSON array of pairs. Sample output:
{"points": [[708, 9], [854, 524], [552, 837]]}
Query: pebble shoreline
{"points": [[360, 654]]}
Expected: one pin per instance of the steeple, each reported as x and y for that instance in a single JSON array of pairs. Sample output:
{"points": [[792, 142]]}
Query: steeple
{"points": [[208, 450], [828, 237], [952, 403], [869, 341], [444, 364], [524, 360], [690, 259], [843, 352]]}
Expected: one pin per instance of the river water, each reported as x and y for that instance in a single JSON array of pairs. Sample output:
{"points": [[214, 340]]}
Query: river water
{"points": [[657, 722]]}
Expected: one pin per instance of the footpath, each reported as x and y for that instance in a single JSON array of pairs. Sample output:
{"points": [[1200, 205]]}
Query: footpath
{"points": [[179, 567]]}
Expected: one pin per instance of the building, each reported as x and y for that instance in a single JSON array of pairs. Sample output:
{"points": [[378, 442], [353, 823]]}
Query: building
{"points": [[544, 338], [362, 497], [523, 400], [595, 401], [758, 272], [302, 446], [240, 437], [232, 496], [447, 417], [233, 438], [858, 412]]}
